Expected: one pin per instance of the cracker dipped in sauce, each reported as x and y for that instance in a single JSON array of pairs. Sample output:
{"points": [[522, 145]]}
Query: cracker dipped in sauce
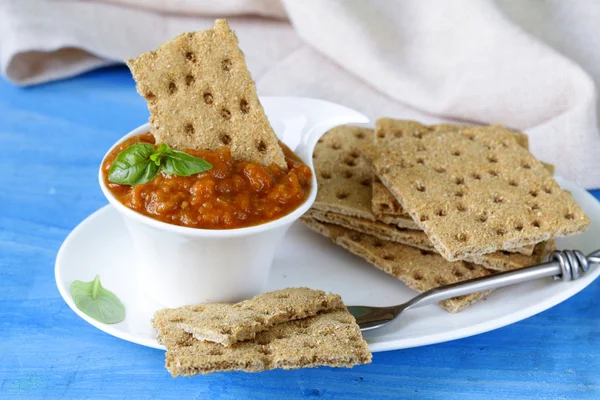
{"points": [[203, 102]]}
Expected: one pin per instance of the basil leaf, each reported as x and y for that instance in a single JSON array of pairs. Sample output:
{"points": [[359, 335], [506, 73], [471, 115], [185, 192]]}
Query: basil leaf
{"points": [[133, 165], [96, 302], [182, 164]]}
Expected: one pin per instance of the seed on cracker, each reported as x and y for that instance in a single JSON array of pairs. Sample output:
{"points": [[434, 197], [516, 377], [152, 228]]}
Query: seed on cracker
{"points": [[201, 96], [330, 339], [229, 323], [420, 270], [508, 198], [498, 261]]}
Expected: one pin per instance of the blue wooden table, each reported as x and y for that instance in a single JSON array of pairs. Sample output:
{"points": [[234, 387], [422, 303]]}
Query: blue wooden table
{"points": [[52, 138]]}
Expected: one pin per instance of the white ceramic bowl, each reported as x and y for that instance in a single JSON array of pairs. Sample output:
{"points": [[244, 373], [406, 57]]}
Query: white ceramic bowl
{"points": [[177, 265]]}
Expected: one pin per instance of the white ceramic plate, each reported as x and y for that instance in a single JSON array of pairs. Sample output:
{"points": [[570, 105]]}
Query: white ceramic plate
{"points": [[101, 245]]}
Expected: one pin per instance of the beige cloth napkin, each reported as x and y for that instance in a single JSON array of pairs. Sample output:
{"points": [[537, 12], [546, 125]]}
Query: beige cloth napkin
{"points": [[527, 64]]}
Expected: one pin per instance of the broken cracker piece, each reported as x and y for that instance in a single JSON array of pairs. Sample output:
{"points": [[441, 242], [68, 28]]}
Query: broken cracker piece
{"points": [[229, 323], [497, 261], [419, 269], [330, 339], [344, 177], [473, 191], [201, 96]]}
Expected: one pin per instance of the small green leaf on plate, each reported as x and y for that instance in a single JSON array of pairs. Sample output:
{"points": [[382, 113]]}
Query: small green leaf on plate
{"points": [[96, 302]]}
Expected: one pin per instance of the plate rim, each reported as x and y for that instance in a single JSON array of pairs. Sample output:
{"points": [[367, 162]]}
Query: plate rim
{"points": [[379, 344]]}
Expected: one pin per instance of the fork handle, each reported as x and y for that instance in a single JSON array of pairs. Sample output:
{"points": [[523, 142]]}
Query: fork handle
{"points": [[566, 265]]}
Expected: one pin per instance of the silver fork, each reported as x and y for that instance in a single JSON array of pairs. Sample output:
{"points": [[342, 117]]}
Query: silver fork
{"points": [[565, 265]]}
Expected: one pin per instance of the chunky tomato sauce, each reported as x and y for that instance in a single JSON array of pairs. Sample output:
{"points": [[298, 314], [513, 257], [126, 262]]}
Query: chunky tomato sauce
{"points": [[233, 194]]}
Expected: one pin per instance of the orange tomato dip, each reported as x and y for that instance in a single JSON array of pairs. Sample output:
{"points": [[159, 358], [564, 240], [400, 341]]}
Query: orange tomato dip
{"points": [[233, 194]]}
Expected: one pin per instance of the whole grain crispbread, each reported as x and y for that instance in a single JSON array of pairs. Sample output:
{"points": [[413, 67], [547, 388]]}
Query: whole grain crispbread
{"points": [[420, 270], [201, 96], [473, 191], [330, 339], [229, 323], [343, 177], [497, 261]]}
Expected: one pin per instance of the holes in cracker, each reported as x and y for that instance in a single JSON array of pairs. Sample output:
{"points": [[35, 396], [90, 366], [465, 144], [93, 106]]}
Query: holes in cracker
{"points": [[215, 352], [493, 173], [441, 213], [417, 276], [347, 174], [377, 243], [459, 193], [493, 159], [189, 80], [459, 180], [514, 183], [150, 97], [172, 88], [421, 148], [533, 193], [244, 106], [423, 218], [398, 134], [420, 161], [225, 139], [419, 186], [190, 56], [366, 182], [359, 135], [440, 170], [462, 237], [342, 194], [525, 165], [261, 146], [440, 281], [189, 129], [264, 350], [483, 217], [536, 223], [456, 153], [325, 175], [569, 215], [500, 231], [226, 64], [225, 113], [208, 98], [315, 155], [351, 162], [426, 253], [457, 273], [461, 207], [498, 199], [518, 227], [388, 257], [355, 153], [176, 320], [470, 267], [476, 176], [535, 206], [381, 134], [469, 136], [282, 296], [547, 189], [309, 345], [336, 146], [385, 207]]}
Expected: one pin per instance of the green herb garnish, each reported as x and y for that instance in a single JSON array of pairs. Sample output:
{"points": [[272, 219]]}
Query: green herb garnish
{"points": [[140, 163], [96, 302]]}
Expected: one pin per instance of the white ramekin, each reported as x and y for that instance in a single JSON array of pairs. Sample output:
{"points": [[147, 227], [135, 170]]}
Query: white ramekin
{"points": [[177, 265]]}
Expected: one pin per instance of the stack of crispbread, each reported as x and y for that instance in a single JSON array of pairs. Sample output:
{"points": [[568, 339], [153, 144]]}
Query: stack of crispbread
{"points": [[287, 328], [434, 205]]}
